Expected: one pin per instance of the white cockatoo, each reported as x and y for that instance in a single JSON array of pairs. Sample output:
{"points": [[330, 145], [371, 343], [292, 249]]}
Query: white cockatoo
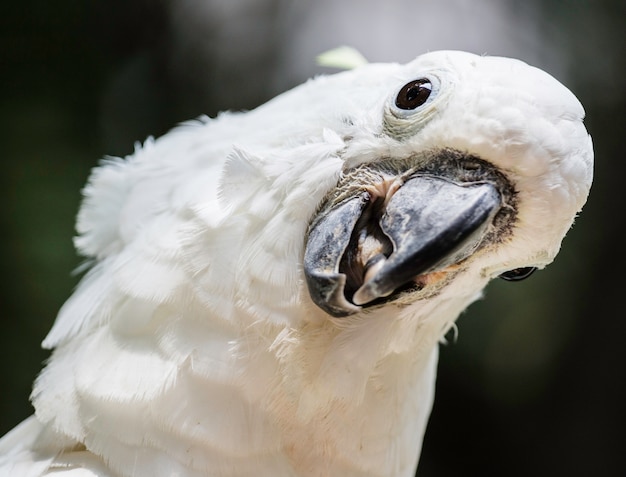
{"points": [[268, 289]]}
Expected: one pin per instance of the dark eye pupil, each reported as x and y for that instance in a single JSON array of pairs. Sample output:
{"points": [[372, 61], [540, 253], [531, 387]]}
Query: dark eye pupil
{"points": [[414, 94], [518, 274]]}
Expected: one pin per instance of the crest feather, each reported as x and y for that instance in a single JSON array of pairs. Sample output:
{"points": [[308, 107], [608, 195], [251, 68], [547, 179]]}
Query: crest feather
{"points": [[343, 57]]}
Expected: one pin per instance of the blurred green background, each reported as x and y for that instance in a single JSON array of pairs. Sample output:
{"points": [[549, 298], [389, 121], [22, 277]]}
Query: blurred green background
{"points": [[535, 383]]}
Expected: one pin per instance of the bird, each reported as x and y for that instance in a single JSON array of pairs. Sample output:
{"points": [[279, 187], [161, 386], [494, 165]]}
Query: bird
{"points": [[266, 291]]}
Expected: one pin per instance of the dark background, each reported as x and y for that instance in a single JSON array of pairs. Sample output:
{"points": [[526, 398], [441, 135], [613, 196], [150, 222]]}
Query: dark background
{"points": [[534, 385]]}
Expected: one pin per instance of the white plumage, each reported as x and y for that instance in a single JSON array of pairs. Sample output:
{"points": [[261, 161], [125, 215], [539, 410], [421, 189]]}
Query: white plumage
{"points": [[193, 348]]}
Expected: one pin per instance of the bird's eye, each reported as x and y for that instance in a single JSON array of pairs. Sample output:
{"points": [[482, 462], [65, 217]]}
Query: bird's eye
{"points": [[518, 274], [414, 94]]}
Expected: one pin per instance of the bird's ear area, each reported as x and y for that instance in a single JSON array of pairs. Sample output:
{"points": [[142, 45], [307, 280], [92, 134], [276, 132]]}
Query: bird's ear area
{"points": [[242, 177]]}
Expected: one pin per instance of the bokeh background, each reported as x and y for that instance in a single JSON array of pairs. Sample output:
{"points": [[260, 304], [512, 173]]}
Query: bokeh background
{"points": [[535, 384]]}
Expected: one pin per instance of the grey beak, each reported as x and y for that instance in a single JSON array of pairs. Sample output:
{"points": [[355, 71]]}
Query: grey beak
{"points": [[327, 242], [430, 222]]}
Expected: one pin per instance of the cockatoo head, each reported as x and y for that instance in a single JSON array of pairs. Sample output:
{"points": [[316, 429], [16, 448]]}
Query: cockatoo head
{"points": [[464, 169], [268, 288]]}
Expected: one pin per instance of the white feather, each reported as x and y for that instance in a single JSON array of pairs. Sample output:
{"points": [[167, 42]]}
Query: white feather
{"points": [[192, 347]]}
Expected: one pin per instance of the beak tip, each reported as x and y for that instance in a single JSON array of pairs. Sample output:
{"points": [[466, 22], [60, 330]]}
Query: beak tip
{"points": [[369, 292], [362, 296]]}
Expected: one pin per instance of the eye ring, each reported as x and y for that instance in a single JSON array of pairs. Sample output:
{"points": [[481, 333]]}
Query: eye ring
{"points": [[414, 94], [518, 274]]}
